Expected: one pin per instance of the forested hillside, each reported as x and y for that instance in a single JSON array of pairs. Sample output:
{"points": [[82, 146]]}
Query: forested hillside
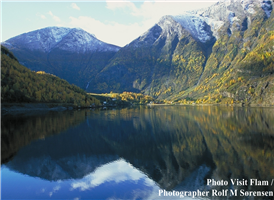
{"points": [[241, 65], [220, 54], [20, 84], [163, 61]]}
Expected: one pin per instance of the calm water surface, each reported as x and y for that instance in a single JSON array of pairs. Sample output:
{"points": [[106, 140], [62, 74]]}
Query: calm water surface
{"points": [[133, 153]]}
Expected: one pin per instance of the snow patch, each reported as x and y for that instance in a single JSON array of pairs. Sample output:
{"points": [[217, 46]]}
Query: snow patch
{"points": [[59, 33], [232, 18], [196, 25], [249, 5], [228, 2], [81, 41], [214, 24], [149, 37]]}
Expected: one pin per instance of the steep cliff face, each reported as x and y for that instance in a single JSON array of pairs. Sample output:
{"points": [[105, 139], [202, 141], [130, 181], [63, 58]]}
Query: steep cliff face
{"points": [[213, 53], [240, 66], [164, 60], [220, 53]]}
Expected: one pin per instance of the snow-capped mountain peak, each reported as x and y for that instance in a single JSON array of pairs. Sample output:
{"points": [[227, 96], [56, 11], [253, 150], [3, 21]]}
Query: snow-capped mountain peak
{"points": [[166, 28], [56, 32], [68, 39], [196, 25], [204, 24]]}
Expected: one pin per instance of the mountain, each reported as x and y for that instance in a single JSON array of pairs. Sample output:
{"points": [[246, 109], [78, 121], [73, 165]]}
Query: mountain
{"points": [[166, 56], [66, 39], [240, 66], [223, 52], [20, 84], [69, 53]]}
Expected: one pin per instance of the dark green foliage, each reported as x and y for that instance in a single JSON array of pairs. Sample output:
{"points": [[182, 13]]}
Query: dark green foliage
{"points": [[19, 84], [160, 70], [76, 68], [166, 66], [5, 51]]}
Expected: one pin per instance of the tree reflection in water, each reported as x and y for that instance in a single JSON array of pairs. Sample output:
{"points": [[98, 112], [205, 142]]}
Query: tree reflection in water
{"points": [[178, 147]]}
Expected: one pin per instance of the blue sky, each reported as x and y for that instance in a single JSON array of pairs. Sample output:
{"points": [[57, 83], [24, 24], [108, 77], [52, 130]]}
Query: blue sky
{"points": [[114, 21]]}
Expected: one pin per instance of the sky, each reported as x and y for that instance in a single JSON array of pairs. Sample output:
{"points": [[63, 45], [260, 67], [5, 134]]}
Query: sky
{"points": [[116, 22]]}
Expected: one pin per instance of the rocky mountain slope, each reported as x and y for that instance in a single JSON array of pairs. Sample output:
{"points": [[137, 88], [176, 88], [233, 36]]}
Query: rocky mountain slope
{"points": [[165, 57], [221, 53], [240, 66], [67, 39], [72, 54]]}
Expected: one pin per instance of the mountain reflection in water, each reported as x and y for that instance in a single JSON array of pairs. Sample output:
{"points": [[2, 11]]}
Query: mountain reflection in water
{"points": [[134, 152]]}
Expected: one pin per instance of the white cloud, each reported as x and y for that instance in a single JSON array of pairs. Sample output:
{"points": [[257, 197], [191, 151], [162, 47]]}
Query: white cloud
{"points": [[123, 4], [120, 171], [54, 17], [74, 6], [117, 171], [157, 9], [149, 14], [55, 189], [112, 32], [40, 15]]}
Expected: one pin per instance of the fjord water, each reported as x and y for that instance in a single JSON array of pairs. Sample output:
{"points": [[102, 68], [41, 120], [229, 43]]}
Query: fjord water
{"points": [[132, 153]]}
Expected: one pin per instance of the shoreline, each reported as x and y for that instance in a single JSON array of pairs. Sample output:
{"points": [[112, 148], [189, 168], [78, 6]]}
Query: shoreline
{"points": [[34, 108], [42, 108], [223, 105]]}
